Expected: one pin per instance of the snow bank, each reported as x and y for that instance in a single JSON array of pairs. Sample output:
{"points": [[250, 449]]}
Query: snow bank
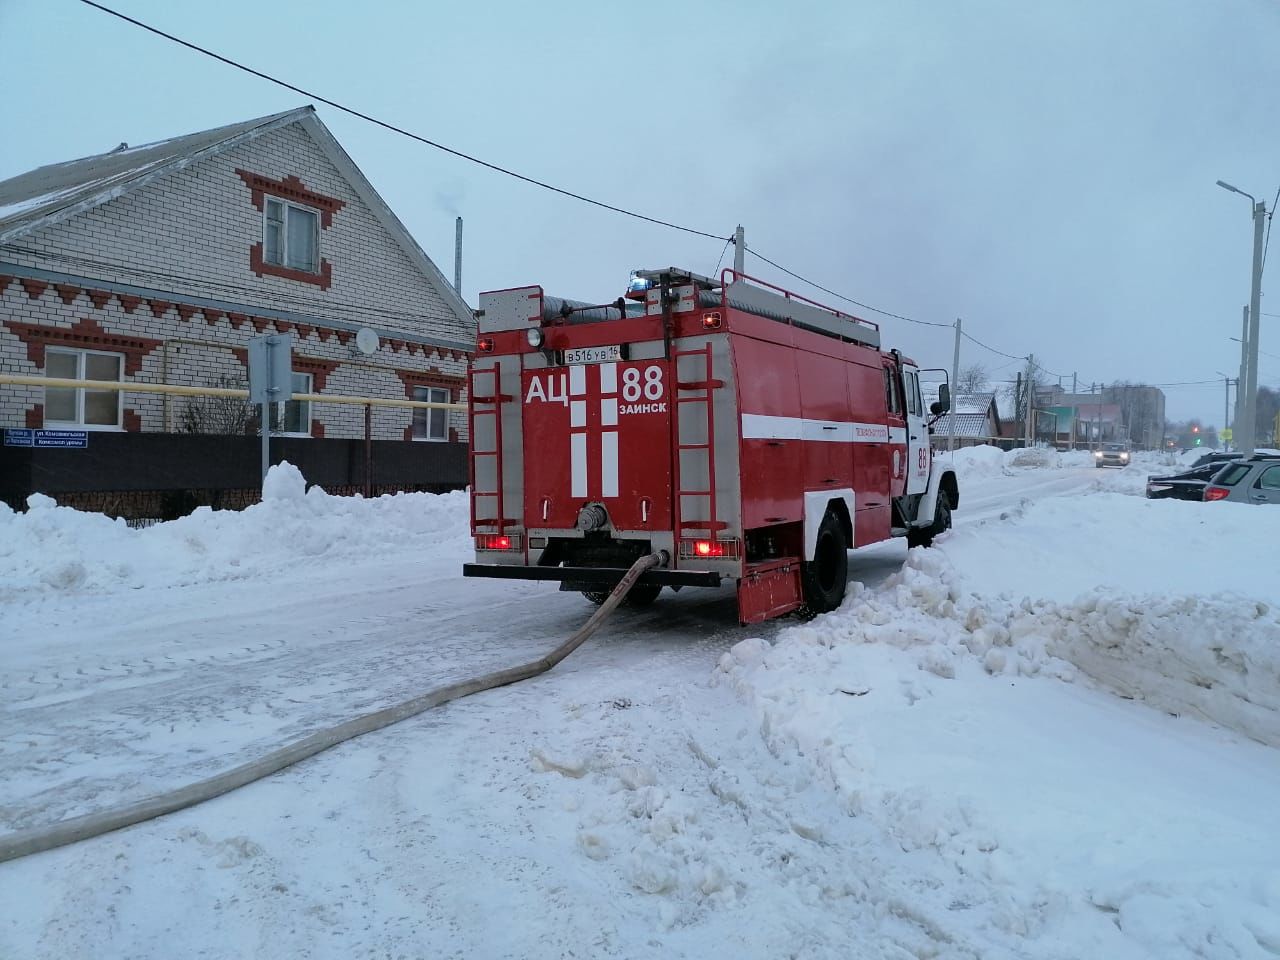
{"points": [[956, 723], [57, 549]]}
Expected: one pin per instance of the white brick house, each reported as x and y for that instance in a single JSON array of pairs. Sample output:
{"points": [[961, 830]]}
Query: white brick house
{"points": [[158, 263]]}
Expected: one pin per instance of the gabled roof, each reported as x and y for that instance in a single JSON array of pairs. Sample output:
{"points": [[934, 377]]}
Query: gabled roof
{"points": [[56, 192]]}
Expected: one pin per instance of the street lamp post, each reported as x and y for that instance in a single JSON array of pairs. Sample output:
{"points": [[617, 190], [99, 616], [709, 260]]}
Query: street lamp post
{"points": [[1248, 391]]}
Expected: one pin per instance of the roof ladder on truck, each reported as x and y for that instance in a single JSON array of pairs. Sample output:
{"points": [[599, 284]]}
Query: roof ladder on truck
{"points": [[701, 385], [486, 465]]}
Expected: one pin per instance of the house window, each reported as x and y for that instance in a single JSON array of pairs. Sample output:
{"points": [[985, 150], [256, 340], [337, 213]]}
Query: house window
{"points": [[293, 417], [291, 236], [431, 424], [82, 408]]}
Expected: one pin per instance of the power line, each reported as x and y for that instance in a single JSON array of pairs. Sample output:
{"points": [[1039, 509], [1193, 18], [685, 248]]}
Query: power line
{"points": [[400, 130], [969, 336], [841, 296], [1270, 217]]}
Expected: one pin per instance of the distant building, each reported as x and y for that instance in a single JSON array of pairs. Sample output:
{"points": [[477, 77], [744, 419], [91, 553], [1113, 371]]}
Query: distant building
{"points": [[976, 420], [158, 264], [1119, 413]]}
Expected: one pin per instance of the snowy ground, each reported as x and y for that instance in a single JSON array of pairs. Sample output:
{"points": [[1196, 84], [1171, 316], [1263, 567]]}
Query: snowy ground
{"points": [[1054, 735]]}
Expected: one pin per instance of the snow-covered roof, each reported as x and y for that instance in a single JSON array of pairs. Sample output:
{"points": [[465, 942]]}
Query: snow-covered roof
{"points": [[967, 425], [58, 191]]}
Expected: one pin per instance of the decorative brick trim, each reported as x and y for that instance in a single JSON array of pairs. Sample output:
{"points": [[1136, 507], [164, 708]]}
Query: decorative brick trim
{"points": [[291, 188], [408, 432], [453, 434], [241, 354], [304, 330], [430, 378], [319, 370], [212, 316], [317, 430], [35, 417], [87, 334], [159, 307], [323, 279], [237, 320], [186, 311], [5, 280], [259, 323], [283, 326], [127, 302], [67, 291], [35, 288], [344, 336], [100, 298], [132, 422]]}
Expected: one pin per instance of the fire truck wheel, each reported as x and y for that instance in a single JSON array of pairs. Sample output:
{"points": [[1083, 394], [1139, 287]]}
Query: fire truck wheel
{"points": [[923, 536], [825, 578]]}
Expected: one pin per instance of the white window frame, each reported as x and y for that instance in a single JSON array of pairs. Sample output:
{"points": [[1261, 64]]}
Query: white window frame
{"points": [[284, 233], [446, 397], [78, 423], [279, 410]]}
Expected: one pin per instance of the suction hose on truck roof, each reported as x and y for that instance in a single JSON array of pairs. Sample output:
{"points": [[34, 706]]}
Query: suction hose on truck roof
{"points": [[38, 839]]}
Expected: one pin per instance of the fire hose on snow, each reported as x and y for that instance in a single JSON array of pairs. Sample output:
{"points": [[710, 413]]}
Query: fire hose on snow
{"points": [[38, 839]]}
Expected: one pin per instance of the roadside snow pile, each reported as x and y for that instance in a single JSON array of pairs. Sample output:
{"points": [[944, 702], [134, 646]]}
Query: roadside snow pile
{"points": [[983, 460], [964, 725], [52, 548]]}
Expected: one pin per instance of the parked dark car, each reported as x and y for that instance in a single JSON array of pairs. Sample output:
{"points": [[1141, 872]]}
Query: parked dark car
{"points": [[1189, 484]]}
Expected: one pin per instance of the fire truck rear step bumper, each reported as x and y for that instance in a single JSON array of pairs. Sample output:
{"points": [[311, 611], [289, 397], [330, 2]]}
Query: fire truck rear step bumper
{"points": [[605, 576]]}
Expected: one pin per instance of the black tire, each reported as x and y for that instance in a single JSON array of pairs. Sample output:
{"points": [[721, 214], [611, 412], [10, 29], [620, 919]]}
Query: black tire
{"points": [[923, 536], [825, 578], [596, 596]]}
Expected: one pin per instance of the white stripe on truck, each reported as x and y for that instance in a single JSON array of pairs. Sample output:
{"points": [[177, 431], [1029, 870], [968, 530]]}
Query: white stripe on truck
{"points": [[759, 426]]}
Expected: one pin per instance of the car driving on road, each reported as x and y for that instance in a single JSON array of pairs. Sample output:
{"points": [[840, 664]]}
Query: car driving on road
{"points": [[1111, 455]]}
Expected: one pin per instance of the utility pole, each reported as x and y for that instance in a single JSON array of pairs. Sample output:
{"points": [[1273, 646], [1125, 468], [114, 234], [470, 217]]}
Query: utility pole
{"points": [[1097, 417], [1073, 382], [1249, 390], [739, 251], [1031, 400], [1226, 402], [1242, 382], [955, 380], [1255, 310]]}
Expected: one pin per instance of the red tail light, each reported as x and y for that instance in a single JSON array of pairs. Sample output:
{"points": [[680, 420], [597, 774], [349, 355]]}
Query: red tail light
{"points": [[485, 345], [496, 541], [1216, 493], [711, 320], [710, 549]]}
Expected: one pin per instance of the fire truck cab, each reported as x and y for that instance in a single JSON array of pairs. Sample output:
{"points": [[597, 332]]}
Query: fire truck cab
{"points": [[745, 432]]}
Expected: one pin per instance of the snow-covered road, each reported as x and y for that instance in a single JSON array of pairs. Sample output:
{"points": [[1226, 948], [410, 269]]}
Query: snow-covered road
{"points": [[938, 769]]}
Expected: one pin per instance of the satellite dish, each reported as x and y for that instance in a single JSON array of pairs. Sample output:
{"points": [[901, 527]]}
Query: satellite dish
{"points": [[367, 341]]}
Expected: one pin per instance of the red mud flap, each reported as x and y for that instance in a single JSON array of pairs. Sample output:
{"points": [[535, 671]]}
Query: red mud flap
{"points": [[770, 590], [604, 576]]}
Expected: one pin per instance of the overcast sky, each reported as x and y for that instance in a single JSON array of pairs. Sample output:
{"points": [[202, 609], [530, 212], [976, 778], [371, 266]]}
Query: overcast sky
{"points": [[1043, 170]]}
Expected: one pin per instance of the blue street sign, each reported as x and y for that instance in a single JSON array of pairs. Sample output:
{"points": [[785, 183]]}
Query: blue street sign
{"points": [[46, 438]]}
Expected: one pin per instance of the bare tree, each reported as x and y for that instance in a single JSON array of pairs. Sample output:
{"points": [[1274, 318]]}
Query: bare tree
{"points": [[217, 415], [972, 379]]}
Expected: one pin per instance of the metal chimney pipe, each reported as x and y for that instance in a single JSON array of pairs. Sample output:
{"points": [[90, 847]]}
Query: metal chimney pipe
{"points": [[457, 258]]}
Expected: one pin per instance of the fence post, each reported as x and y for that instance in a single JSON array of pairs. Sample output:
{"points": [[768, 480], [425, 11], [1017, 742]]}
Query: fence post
{"points": [[368, 450]]}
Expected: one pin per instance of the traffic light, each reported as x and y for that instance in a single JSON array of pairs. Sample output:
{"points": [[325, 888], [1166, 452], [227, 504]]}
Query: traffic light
{"points": [[1195, 429], [1197, 441]]}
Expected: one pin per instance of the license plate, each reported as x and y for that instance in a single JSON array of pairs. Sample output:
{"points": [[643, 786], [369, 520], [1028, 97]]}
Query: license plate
{"points": [[575, 355]]}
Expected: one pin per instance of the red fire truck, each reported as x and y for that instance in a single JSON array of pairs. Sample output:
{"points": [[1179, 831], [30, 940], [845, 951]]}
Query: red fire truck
{"points": [[744, 432]]}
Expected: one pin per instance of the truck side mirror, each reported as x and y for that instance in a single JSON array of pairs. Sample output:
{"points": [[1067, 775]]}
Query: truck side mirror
{"points": [[943, 403]]}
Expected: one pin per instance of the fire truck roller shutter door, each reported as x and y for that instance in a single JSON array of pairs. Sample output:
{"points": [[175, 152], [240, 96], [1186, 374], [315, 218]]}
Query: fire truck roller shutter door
{"points": [[816, 504]]}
